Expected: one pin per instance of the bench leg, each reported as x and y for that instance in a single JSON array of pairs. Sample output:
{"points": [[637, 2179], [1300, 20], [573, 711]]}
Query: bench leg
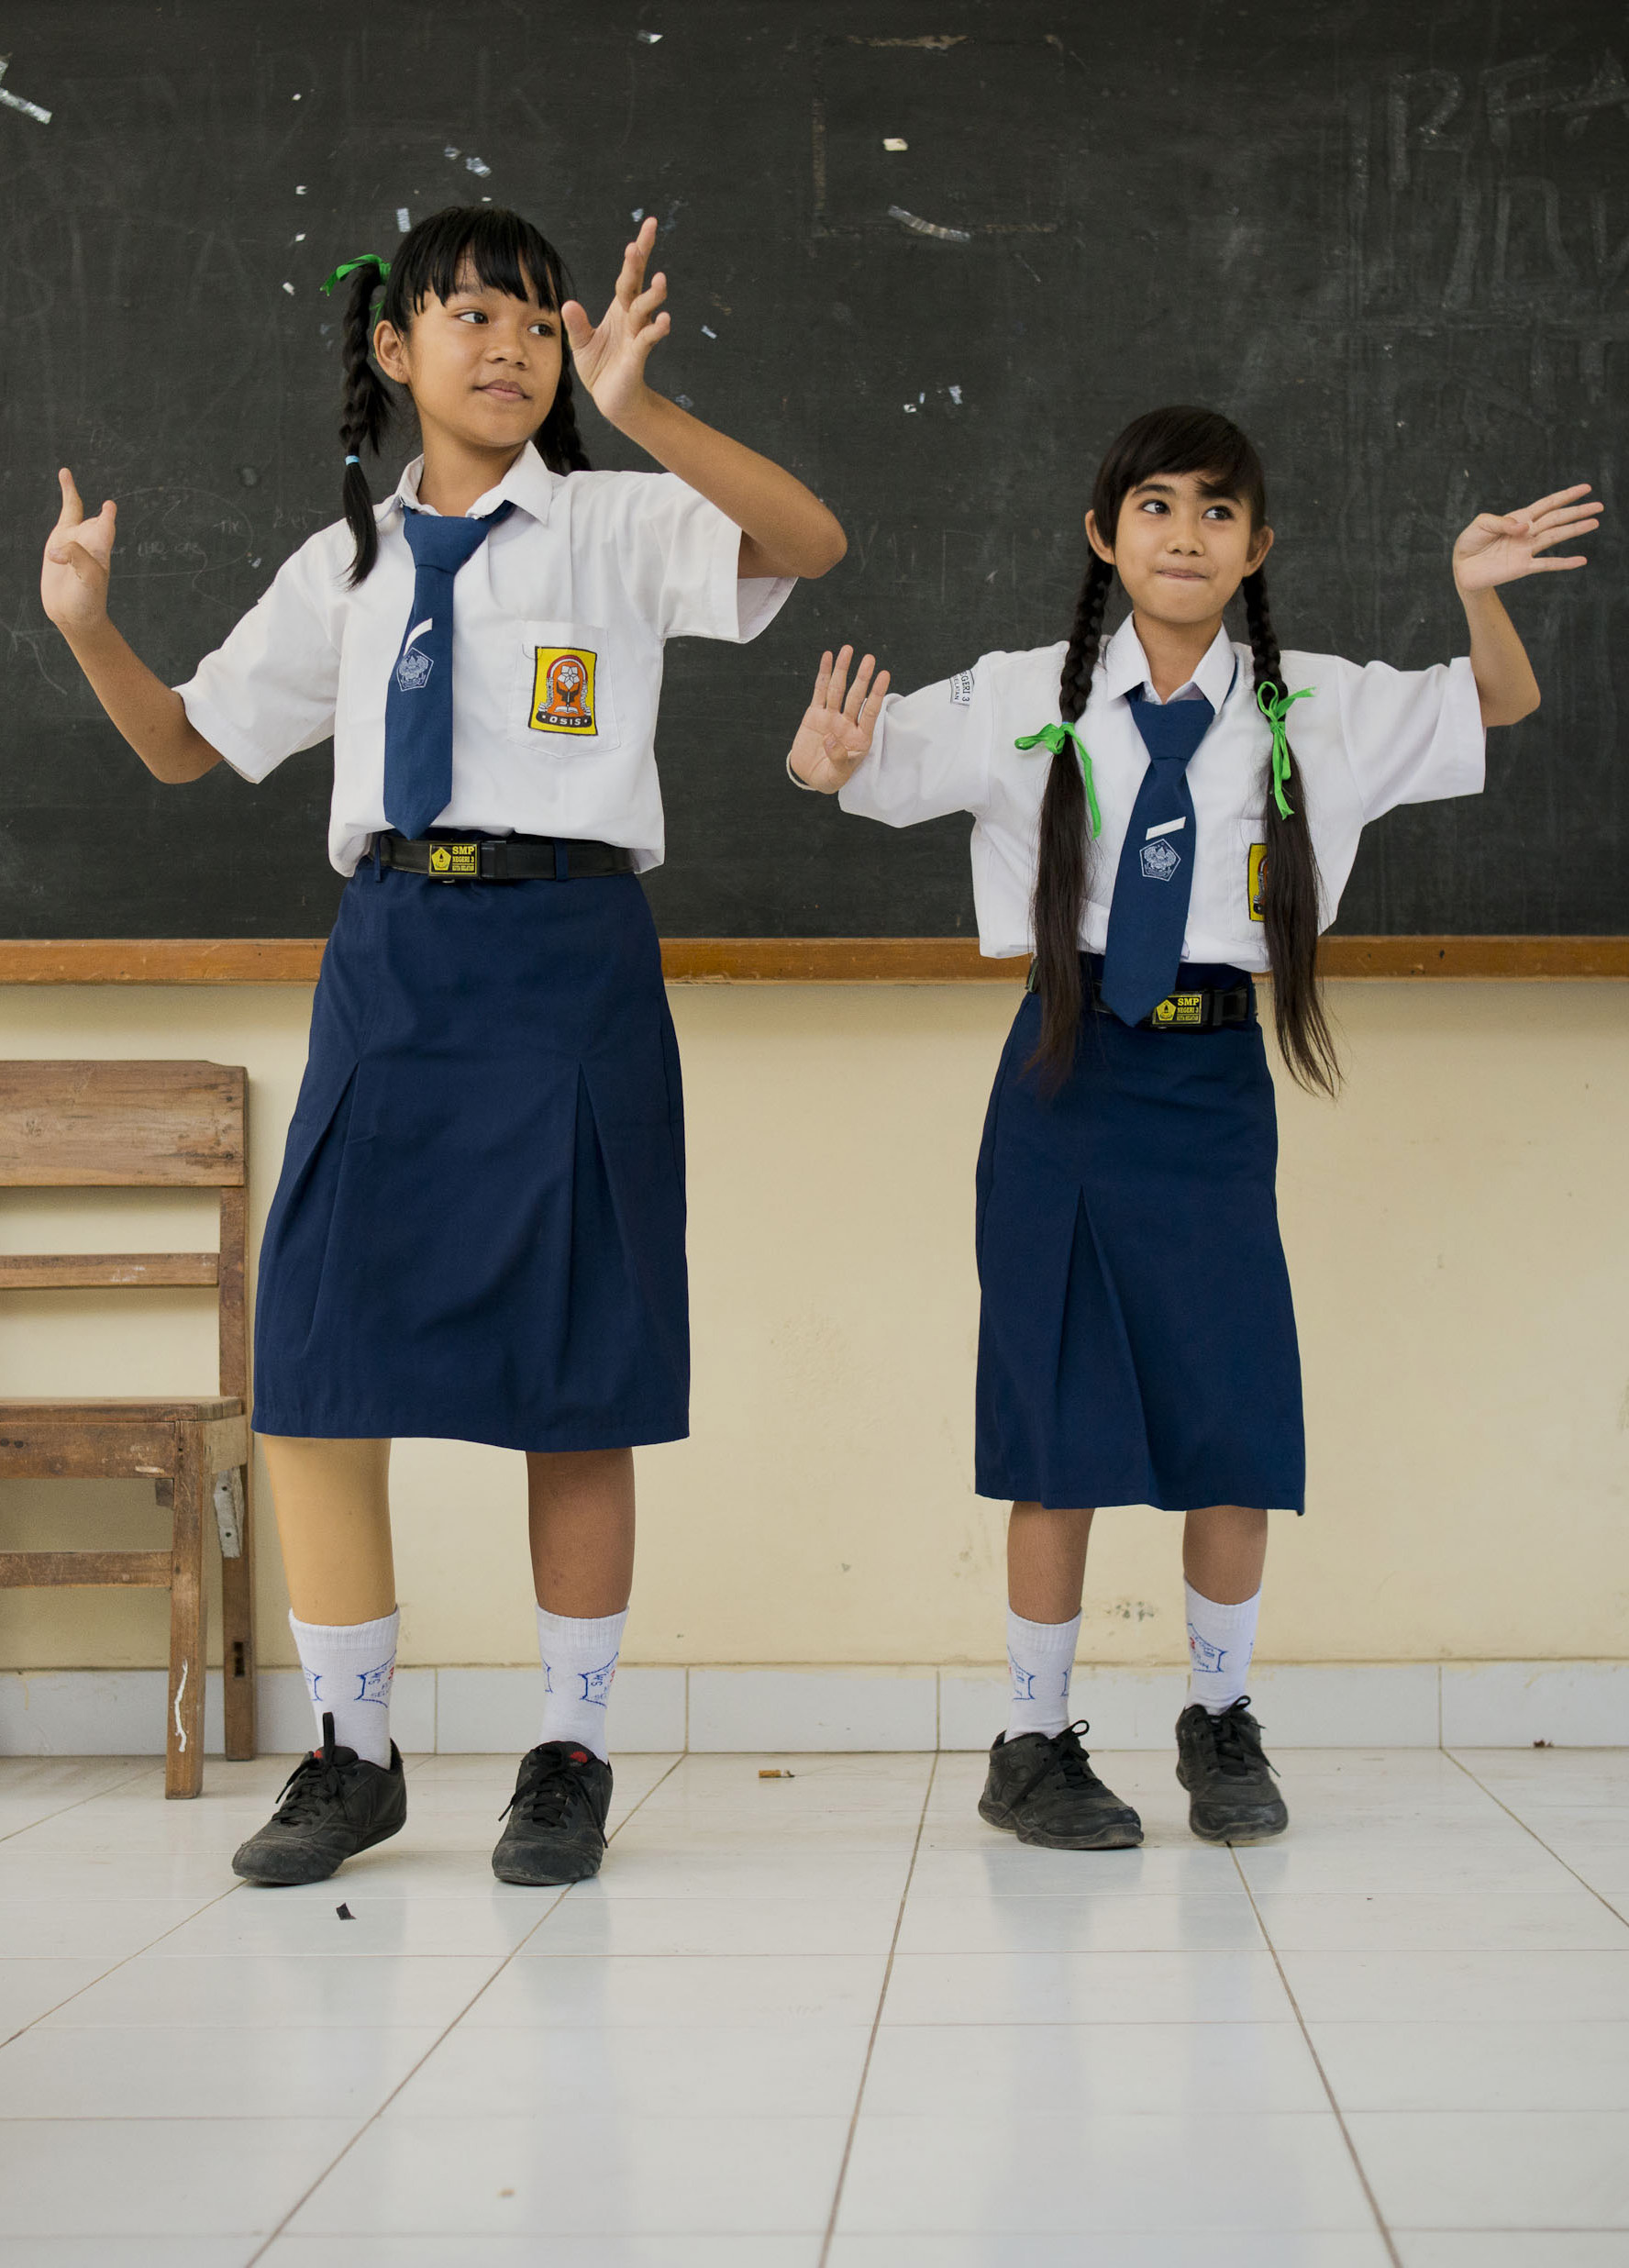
{"points": [[237, 1647], [183, 1737]]}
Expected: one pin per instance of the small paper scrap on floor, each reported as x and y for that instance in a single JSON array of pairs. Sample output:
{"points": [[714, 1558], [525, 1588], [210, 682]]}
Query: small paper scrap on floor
{"points": [[893, 142], [344, 1913], [773, 1772]]}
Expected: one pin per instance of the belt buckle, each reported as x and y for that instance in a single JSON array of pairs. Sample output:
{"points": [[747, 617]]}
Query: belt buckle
{"points": [[455, 861], [1179, 1012]]}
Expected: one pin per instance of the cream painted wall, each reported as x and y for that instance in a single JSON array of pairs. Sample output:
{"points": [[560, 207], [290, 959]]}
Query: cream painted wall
{"points": [[1459, 1235]]}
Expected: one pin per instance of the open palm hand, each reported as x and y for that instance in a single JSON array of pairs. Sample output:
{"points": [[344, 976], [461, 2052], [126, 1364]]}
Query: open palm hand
{"points": [[1504, 547], [610, 355], [835, 730]]}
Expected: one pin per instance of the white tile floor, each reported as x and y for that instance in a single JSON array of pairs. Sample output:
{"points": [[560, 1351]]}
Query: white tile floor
{"points": [[831, 2019]]}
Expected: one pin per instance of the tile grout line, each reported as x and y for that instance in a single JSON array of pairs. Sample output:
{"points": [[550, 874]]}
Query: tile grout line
{"points": [[115, 1966], [1599, 1896], [137, 1771], [865, 2069], [378, 2112], [1340, 2119]]}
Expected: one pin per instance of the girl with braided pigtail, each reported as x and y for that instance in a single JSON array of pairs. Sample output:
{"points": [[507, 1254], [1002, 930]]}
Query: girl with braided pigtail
{"points": [[1143, 826], [430, 255], [479, 1230]]}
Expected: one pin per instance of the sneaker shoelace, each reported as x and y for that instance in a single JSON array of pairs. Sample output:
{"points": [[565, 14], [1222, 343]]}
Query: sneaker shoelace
{"points": [[547, 1788], [1237, 1739], [1068, 1762], [315, 1783]]}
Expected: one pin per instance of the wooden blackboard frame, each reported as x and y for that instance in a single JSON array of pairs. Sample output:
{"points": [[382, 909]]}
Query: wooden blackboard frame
{"points": [[799, 960]]}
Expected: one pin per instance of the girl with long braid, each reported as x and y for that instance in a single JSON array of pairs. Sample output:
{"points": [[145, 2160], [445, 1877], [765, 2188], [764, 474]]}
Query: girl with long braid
{"points": [[478, 1231], [1145, 825]]}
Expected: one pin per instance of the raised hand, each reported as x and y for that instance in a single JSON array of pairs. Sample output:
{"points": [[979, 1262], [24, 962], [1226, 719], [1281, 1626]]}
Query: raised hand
{"points": [[610, 356], [78, 561], [836, 727], [1504, 547]]}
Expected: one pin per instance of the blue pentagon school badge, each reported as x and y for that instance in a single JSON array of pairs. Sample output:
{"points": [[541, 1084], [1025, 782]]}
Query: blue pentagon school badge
{"points": [[413, 671], [1159, 861]]}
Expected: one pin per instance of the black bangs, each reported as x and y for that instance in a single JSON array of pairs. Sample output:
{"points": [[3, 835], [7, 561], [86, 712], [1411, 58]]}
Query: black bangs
{"points": [[505, 251], [1179, 440]]}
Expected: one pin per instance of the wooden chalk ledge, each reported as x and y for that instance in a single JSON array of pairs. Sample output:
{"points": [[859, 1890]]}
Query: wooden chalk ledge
{"points": [[787, 960]]}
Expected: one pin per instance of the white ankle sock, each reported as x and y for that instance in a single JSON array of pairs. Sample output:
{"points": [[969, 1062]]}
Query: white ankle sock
{"points": [[349, 1667], [1041, 1656], [578, 1664], [1220, 1641]]}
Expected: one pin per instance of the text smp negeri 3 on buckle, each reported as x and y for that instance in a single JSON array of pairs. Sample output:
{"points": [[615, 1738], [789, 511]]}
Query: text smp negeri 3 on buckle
{"points": [[1180, 1011], [455, 861]]}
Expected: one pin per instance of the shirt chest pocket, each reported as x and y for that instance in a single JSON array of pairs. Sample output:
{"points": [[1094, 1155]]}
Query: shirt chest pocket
{"points": [[561, 703]]}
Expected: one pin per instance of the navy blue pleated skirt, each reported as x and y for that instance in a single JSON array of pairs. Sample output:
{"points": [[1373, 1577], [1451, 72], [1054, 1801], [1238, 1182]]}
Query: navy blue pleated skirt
{"points": [[1136, 1341], [478, 1232]]}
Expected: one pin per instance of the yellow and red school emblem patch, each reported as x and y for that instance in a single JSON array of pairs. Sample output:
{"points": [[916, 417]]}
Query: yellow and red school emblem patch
{"points": [[564, 690], [1258, 881]]}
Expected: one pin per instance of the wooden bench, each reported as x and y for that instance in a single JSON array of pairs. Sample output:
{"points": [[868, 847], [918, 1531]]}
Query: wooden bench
{"points": [[151, 1125]]}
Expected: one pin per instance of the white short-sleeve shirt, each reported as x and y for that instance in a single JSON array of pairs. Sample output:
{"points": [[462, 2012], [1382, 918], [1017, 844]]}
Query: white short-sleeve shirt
{"points": [[558, 622], [1369, 738]]}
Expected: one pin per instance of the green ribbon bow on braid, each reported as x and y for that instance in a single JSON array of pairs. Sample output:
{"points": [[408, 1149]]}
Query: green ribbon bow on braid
{"points": [[1055, 737], [350, 267], [1274, 705]]}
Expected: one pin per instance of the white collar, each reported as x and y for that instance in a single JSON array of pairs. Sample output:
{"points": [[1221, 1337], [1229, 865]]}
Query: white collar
{"points": [[528, 484], [1126, 666]]}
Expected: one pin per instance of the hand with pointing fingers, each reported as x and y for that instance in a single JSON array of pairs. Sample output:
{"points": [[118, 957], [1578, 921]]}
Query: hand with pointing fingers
{"points": [[835, 731], [1504, 547], [78, 559], [610, 356]]}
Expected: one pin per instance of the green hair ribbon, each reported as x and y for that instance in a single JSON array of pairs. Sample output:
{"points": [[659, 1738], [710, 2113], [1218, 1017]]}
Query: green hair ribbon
{"points": [[1276, 709], [350, 267], [1055, 737]]}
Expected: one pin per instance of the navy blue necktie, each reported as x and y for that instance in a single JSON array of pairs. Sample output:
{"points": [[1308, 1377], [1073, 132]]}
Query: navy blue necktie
{"points": [[418, 699], [1154, 881]]}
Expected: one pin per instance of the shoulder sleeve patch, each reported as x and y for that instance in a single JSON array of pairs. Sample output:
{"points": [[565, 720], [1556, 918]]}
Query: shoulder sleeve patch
{"points": [[962, 689]]}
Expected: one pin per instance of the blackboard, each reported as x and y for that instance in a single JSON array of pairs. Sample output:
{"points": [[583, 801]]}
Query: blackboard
{"points": [[1393, 240]]}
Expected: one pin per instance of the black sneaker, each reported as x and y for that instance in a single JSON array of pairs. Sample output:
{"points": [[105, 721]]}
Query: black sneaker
{"points": [[1229, 1780], [556, 1829], [332, 1805], [1042, 1787]]}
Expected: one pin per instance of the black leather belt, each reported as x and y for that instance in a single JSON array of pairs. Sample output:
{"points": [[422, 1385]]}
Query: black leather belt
{"points": [[501, 858], [1208, 1007]]}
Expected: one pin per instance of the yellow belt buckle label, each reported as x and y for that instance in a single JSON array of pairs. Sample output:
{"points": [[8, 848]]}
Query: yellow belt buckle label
{"points": [[563, 690], [455, 860], [1257, 880]]}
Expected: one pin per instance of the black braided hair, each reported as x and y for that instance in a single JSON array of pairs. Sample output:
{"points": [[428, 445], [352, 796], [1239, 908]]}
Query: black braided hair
{"points": [[507, 254], [365, 410], [1169, 441], [1061, 873], [558, 444], [1290, 886]]}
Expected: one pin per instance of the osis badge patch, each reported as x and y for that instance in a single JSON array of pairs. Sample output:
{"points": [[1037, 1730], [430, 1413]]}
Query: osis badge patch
{"points": [[563, 690], [413, 671], [1257, 881], [1159, 861]]}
